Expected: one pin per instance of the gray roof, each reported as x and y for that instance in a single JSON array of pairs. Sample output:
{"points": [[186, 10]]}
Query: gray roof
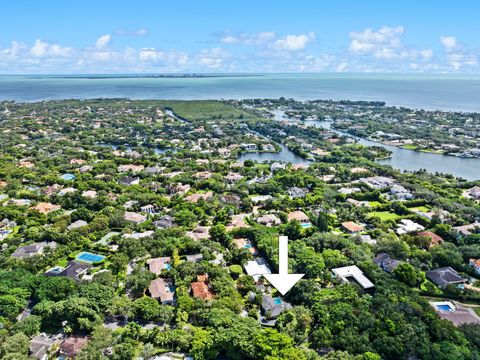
{"points": [[32, 249], [386, 262], [444, 276], [268, 304]]}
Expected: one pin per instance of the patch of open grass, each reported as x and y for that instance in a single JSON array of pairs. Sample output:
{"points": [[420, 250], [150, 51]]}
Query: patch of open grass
{"points": [[384, 215]]}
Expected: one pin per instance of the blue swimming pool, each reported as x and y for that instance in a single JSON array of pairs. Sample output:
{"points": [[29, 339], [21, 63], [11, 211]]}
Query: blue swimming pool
{"points": [[89, 257], [67, 177], [444, 307], [277, 301], [305, 225], [168, 266]]}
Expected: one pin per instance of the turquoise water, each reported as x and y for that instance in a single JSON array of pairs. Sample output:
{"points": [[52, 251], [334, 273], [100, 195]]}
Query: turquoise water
{"points": [[277, 301], [67, 177], [447, 92]]}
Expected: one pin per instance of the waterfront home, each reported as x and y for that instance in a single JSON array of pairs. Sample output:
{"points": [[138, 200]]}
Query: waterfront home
{"points": [[249, 147], [353, 273], [445, 276], [408, 226], [27, 251], [156, 265], [277, 166], [400, 193], [352, 227], [474, 192], [378, 182], [475, 264], [163, 290], [386, 262], [134, 217]]}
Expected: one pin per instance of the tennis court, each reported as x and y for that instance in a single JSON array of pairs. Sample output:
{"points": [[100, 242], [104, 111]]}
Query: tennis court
{"points": [[89, 257]]}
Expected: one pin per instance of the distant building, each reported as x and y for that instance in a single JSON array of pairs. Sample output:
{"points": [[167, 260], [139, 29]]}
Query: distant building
{"points": [[134, 217], [256, 268], [45, 208], [77, 224], [475, 264], [408, 226], [200, 288], [434, 238], [300, 216], [156, 265]]}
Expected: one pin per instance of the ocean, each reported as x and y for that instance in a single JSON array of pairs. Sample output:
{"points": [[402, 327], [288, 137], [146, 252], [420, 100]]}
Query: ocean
{"points": [[444, 92]]}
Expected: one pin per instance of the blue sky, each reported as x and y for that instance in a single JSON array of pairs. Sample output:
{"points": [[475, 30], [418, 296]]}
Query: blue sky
{"points": [[103, 36]]}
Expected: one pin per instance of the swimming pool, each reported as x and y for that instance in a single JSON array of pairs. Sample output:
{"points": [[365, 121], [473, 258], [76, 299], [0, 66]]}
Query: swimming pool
{"points": [[305, 225], [277, 301], [168, 266], [444, 307], [67, 177], [89, 257]]}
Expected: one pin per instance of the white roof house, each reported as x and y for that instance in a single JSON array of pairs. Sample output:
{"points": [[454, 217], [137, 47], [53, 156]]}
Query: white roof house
{"points": [[407, 226], [256, 268], [353, 272]]}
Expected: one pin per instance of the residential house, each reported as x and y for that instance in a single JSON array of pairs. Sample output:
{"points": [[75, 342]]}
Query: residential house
{"points": [[148, 209], [468, 229], [200, 288], [156, 265], [194, 258], [90, 194], [45, 208], [353, 273], [257, 267], [352, 227], [77, 224], [74, 270], [130, 168], [195, 197], [434, 238], [386, 262], [199, 233], [408, 226], [457, 314], [163, 290], [129, 180], [27, 251], [300, 216], [71, 346], [445, 276], [134, 217], [269, 220], [242, 243], [296, 192], [475, 264], [272, 307], [277, 166], [41, 345], [164, 222]]}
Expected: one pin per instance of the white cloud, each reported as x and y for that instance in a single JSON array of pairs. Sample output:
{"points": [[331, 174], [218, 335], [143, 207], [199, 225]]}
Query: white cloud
{"points": [[43, 49], [385, 44], [249, 39], [449, 42], [294, 42], [136, 32], [103, 41]]}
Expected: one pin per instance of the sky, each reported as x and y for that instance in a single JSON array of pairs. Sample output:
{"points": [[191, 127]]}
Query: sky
{"points": [[210, 36]]}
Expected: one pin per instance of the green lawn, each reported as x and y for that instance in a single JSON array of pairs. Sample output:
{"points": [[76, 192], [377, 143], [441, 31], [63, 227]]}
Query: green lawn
{"points": [[374, 204], [420, 208], [409, 146], [384, 215]]}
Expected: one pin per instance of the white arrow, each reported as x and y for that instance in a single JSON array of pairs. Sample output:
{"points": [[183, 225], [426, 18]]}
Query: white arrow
{"points": [[283, 281]]}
